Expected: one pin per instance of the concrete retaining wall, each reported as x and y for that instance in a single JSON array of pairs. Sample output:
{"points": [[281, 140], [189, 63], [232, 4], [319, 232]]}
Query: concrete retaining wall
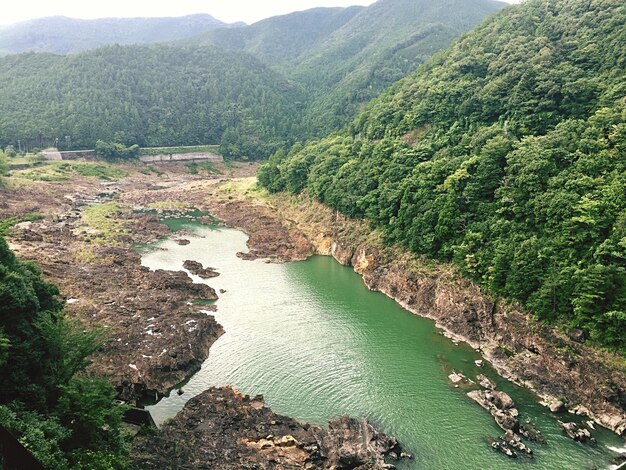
{"points": [[182, 157], [76, 154], [53, 154]]}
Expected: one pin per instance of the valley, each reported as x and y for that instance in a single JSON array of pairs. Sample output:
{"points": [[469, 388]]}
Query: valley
{"points": [[389, 235], [85, 244]]}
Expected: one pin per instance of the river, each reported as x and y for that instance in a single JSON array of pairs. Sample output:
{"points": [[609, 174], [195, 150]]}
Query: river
{"points": [[316, 343]]}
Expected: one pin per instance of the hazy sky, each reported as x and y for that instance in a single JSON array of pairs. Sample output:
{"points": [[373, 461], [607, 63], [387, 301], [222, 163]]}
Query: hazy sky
{"points": [[229, 11]]}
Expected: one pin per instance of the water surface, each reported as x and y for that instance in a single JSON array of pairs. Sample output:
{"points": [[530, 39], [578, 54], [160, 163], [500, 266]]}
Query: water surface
{"points": [[316, 343]]}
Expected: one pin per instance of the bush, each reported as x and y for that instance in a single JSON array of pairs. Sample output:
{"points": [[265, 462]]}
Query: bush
{"points": [[116, 151], [65, 419], [10, 151]]}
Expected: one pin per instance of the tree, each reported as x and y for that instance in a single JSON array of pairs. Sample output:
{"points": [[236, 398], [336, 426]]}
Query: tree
{"points": [[116, 151], [67, 419], [10, 151], [4, 166]]}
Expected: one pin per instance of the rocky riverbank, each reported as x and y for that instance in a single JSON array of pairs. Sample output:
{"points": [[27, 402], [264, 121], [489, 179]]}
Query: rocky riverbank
{"points": [[556, 366], [156, 334], [224, 429]]}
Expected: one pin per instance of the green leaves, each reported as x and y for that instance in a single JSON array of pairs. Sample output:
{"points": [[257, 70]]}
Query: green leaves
{"points": [[507, 155], [65, 419], [158, 95]]}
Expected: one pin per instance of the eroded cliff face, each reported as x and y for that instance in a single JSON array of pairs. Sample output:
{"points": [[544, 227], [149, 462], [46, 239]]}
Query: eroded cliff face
{"points": [[521, 349], [592, 382]]}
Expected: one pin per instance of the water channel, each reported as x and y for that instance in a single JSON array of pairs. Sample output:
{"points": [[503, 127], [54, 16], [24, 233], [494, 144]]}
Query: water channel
{"points": [[316, 343]]}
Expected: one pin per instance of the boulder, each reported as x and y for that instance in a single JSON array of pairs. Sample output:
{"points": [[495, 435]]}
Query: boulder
{"points": [[557, 406], [456, 377], [486, 382], [577, 335], [196, 268], [352, 443], [500, 406], [576, 432]]}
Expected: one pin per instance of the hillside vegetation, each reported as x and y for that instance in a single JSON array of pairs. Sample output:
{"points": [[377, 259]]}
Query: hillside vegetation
{"points": [[379, 46], [157, 95], [507, 155], [62, 35], [63, 417], [248, 88], [283, 39], [344, 57]]}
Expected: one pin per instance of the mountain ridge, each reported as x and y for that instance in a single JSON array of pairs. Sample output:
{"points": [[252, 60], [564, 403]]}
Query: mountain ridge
{"points": [[62, 34]]}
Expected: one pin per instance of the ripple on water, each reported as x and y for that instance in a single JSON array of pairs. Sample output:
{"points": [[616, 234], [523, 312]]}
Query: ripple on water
{"points": [[317, 344]]}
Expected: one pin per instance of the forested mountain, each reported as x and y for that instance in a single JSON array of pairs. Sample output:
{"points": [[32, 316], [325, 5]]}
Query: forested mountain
{"points": [[281, 40], [505, 155], [381, 44], [187, 93], [154, 95], [345, 57], [61, 35]]}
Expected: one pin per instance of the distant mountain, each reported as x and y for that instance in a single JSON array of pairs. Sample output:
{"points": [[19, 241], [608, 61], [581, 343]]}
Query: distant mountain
{"points": [[152, 95], [344, 57], [281, 39], [62, 35], [378, 46]]}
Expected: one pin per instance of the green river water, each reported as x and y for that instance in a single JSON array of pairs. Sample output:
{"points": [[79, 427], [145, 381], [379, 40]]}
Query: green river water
{"points": [[316, 343]]}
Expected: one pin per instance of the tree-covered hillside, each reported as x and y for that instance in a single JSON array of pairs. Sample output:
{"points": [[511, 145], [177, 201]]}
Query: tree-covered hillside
{"points": [[61, 35], [312, 72], [380, 45], [281, 40], [506, 155], [148, 95], [344, 57]]}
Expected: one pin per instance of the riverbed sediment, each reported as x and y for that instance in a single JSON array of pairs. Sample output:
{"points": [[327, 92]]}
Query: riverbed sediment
{"points": [[157, 328]]}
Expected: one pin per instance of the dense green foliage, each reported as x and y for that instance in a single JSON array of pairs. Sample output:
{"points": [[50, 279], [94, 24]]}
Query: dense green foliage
{"points": [[506, 155], [4, 166], [345, 57], [145, 95], [10, 151], [281, 40], [379, 46], [63, 35], [64, 419], [336, 60], [116, 151]]}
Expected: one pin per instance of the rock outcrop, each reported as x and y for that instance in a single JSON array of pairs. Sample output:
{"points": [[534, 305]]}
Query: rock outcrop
{"points": [[223, 429], [500, 406], [194, 267], [155, 336], [576, 432], [503, 410]]}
